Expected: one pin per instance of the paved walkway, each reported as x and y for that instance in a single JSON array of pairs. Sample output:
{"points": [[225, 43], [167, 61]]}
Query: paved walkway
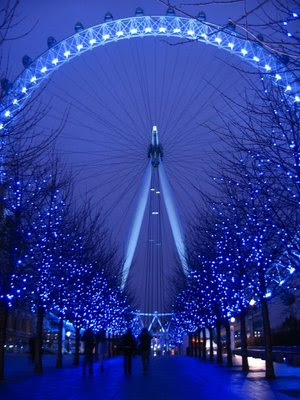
{"points": [[170, 378]]}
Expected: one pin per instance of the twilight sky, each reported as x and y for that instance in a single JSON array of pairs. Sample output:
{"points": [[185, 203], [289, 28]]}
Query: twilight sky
{"points": [[115, 94]]}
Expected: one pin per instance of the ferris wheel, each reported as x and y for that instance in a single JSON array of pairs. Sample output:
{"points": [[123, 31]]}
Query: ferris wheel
{"points": [[115, 123]]}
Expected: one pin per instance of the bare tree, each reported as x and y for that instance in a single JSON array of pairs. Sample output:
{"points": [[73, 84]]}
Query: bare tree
{"points": [[22, 153], [272, 24]]}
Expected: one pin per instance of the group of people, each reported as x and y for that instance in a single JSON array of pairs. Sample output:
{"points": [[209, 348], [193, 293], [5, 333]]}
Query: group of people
{"points": [[91, 341], [129, 347]]}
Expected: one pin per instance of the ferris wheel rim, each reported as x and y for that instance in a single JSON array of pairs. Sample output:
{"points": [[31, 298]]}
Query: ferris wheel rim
{"points": [[93, 37]]}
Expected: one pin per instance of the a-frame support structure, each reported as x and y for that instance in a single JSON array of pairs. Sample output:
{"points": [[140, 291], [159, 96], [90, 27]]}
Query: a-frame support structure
{"points": [[155, 155]]}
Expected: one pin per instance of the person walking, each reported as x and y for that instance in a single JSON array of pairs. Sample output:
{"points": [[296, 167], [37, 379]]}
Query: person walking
{"points": [[102, 348], [128, 347], [145, 347], [88, 339]]}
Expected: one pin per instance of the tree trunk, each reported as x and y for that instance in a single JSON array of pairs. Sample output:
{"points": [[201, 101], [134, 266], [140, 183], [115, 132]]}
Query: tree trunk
{"points": [[199, 344], [245, 364], [270, 374], [3, 328], [77, 346], [228, 344], [97, 350], [59, 343], [211, 344], [219, 343], [109, 345], [39, 340], [192, 345], [204, 344]]}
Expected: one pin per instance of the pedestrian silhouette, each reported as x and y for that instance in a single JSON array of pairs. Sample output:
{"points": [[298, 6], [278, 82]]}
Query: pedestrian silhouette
{"points": [[128, 347], [102, 348], [145, 347], [88, 339]]}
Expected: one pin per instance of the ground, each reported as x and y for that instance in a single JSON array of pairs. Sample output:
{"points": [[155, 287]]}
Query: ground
{"points": [[170, 378]]}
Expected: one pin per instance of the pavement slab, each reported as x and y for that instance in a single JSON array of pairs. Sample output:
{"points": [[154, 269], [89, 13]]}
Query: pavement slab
{"points": [[169, 378]]}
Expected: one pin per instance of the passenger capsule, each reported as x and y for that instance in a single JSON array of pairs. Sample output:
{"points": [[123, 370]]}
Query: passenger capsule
{"points": [[201, 16], [26, 60], [108, 17], [139, 12], [51, 42], [5, 85], [78, 27], [260, 38], [230, 27], [170, 12]]}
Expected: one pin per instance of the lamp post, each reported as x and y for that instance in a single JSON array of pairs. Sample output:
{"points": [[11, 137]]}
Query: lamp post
{"points": [[232, 340], [68, 335]]}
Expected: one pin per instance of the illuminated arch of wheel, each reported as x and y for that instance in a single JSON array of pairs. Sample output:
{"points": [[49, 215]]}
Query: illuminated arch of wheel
{"points": [[142, 26]]}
